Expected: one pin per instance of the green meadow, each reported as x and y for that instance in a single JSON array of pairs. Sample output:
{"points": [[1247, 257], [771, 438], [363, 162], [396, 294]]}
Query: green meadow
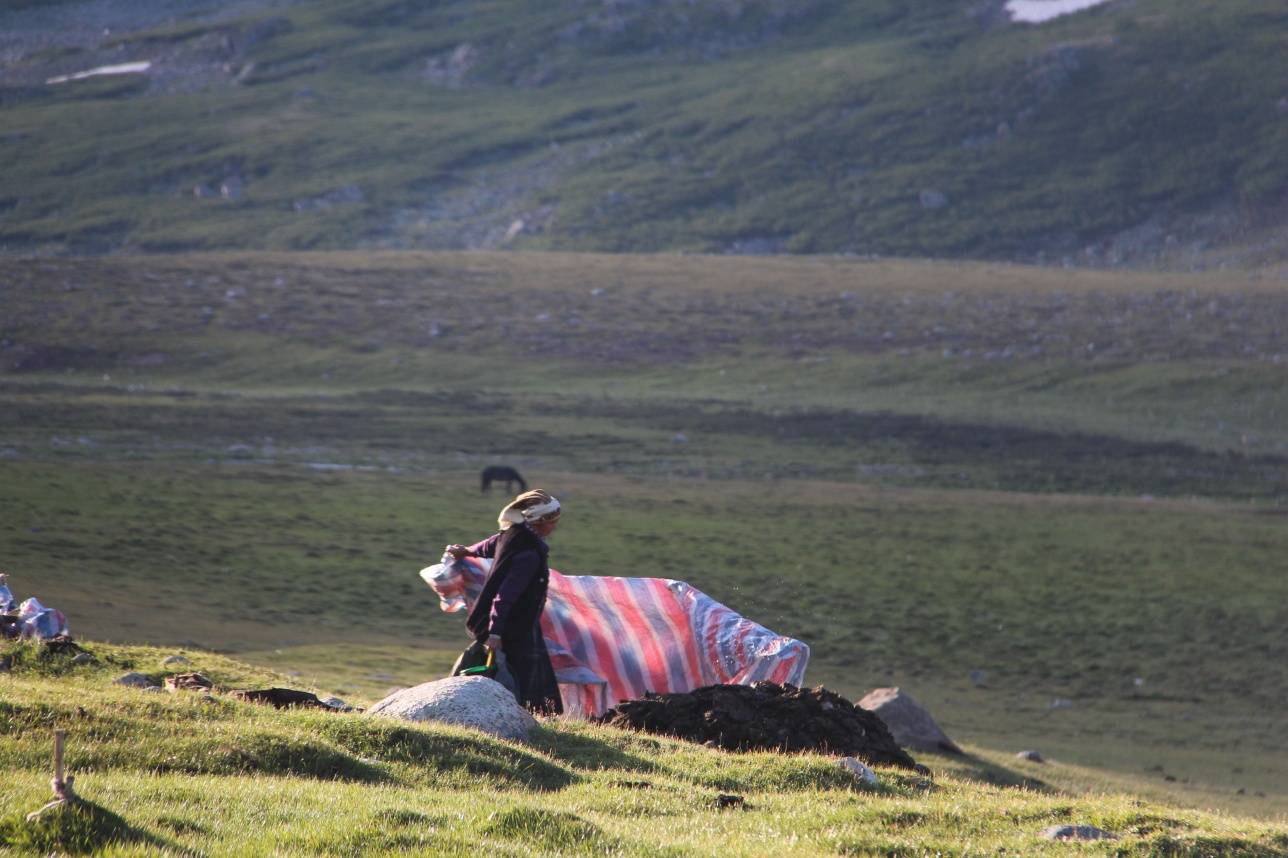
{"points": [[921, 470], [253, 780]]}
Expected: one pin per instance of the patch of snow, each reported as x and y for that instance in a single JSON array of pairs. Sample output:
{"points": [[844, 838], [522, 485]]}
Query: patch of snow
{"points": [[1038, 11], [122, 68]]}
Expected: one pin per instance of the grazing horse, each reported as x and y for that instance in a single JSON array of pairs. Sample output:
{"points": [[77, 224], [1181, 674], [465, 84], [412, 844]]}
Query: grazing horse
{"points": [[502, 473]]}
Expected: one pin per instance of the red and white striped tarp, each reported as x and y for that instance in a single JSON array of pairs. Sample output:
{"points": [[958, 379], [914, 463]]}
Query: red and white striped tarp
{"points": [[614, 639]]}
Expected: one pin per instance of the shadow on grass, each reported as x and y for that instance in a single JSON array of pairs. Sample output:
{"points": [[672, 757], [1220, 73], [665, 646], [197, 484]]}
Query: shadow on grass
{"points": [[588, 753], [78, 828], [551, 832], [442, 754], [269, 753], [967, 765]]}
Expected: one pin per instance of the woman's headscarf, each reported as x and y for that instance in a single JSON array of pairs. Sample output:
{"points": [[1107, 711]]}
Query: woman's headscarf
{"points": [[536, 505]]}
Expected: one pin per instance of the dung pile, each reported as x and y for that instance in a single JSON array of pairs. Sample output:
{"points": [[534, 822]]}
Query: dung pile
{"points": [[764, 716]]}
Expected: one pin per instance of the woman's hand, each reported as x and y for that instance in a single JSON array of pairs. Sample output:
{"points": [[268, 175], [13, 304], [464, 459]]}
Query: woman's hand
{"points": [[457, 551], [493, 643]]}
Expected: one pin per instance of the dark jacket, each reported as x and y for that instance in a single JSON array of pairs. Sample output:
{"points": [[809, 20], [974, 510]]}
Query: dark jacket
{"points": [[520, 577], [510, 606]]}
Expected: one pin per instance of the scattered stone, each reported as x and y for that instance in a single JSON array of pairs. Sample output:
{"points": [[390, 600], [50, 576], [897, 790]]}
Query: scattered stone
{"points": [[232, 188], [724, 801], [764, 716], [932, 199], [135, 680], [978, 678], [172, 660], [337, 703], [82, 658], [467, 701], [909, 722], [860, 771], [1031, 756], [330, 199], [282, 698], [1075, 832], [450, 69], [1061, 703], [188, 682]]}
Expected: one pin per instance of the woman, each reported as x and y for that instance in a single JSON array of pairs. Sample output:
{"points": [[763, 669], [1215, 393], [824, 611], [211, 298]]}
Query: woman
{"points": [[507, 615]]}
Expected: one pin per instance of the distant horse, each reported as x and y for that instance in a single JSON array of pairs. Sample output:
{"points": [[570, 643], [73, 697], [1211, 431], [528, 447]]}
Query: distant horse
{"points": [[502, 474]]}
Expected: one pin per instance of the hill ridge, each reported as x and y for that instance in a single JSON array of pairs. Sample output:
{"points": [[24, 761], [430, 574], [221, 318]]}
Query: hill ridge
{"points": [[1136, 134]]}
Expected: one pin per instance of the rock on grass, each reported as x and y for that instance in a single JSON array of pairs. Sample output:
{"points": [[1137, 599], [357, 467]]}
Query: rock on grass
{"points": [[467, 701]]}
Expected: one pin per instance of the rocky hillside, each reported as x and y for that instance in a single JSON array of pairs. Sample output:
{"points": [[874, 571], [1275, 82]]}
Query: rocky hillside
{"points": [[1140, 132]]}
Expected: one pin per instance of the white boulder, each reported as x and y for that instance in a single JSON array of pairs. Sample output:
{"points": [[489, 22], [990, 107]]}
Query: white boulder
{"points": [[467, 701]]}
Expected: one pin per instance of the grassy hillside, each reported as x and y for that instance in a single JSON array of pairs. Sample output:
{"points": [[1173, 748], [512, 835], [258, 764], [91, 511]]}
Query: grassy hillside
{"points": [[1140, 132], [308, 783], [255, 453]]}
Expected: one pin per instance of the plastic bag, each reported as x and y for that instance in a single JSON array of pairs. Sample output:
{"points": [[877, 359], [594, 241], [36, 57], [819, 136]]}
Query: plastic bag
{"points": [[40, 622], [448, 580]]}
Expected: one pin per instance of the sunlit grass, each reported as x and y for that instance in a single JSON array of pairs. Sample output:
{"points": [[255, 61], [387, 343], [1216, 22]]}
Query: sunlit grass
{"points": [[259, 780]]}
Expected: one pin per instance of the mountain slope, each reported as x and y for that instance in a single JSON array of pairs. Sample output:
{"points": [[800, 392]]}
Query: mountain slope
{"points": [[1136, 132]]}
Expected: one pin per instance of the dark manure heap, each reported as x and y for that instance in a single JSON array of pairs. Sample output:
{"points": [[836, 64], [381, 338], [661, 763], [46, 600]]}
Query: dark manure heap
{"points": [[764, 717]]}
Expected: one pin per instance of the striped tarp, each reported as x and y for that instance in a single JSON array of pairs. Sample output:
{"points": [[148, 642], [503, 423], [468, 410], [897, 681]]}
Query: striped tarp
{"points": [[614, 639]]}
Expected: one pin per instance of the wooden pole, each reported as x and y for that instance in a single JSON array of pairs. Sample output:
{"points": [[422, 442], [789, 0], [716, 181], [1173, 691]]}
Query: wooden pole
{"points": [[62, 785], [59, 737]]}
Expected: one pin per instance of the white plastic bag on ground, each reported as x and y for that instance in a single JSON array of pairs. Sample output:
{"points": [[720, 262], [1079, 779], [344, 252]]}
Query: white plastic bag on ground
{"points": [[40, 622]]}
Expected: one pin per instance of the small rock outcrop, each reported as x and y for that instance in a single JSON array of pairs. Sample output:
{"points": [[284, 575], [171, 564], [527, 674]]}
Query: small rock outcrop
{"points": [[338, 704], [1075, 832], [467, 701], [1030, 756], [932, 200], [764, 716], [188, 682], [282, 698], [135, 680], [909, 722]]}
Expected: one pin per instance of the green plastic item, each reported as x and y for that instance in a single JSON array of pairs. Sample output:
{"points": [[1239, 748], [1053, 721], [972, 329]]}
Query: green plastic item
{"points": [[482, 668]]}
